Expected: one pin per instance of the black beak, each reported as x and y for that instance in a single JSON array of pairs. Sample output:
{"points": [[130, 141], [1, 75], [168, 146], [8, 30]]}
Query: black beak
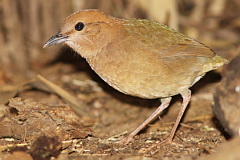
{"points": [[59, 38]]}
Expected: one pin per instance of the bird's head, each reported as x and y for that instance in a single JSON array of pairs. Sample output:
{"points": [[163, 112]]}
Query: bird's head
{"points": [[85, 31]]}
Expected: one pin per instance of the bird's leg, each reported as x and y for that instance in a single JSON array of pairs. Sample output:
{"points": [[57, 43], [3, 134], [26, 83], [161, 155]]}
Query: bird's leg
{"points": [[164, 104], [186, 98]]}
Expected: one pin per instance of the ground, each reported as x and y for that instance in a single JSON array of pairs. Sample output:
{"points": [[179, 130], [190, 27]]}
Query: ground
{"points": [[40, 123]]}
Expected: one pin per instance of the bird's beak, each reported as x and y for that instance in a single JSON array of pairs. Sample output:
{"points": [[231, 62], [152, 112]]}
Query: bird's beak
{"points": [[59, 38]]}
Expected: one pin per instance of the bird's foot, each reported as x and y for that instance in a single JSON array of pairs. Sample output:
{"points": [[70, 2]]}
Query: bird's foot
{"points": [[169, 140], [125, 140], [153, 147]]}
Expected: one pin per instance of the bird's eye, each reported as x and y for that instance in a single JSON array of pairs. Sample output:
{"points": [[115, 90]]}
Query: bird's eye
{"points": [[79, 26]]}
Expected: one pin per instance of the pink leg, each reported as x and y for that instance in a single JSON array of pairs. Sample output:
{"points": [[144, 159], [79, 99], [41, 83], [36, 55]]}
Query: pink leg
{"points": [[186, 98], [239, 131], [164, 104]]}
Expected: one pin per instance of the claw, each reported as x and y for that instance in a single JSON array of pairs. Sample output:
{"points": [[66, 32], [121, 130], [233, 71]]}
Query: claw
{"points": [[125, 140]]}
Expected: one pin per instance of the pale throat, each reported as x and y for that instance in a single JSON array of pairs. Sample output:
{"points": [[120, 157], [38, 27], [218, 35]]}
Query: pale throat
{"points": [[83, 50]]}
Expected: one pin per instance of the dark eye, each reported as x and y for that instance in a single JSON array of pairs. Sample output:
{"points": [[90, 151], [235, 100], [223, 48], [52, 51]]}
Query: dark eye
{"points": [[79, 26]]}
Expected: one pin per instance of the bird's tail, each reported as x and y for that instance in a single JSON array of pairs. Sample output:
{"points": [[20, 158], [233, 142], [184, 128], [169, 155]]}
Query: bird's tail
{"points": [[218, 61]]}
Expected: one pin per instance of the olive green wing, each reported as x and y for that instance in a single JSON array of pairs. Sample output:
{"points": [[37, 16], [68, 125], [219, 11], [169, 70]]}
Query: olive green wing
{"points": [[181, 45], [166, 41], [188, 49]]}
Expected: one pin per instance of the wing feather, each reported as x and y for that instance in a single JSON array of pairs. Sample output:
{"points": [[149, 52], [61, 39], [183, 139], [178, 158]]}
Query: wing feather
{"points": [[192, 49], [165, 41]]}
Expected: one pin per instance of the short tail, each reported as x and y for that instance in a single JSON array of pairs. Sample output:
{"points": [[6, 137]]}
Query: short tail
{"points": [[218, 61]]}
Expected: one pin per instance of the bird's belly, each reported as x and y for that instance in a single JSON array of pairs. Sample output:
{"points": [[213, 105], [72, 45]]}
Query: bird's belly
{"points": [[149, 87], [146, 80]]}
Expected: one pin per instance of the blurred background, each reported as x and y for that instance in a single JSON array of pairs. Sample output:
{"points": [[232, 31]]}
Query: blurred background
{"points": [[26, 25]]}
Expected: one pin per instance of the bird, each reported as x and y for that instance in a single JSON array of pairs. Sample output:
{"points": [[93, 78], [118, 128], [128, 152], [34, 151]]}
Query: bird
{"points": [[139, 57]]}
